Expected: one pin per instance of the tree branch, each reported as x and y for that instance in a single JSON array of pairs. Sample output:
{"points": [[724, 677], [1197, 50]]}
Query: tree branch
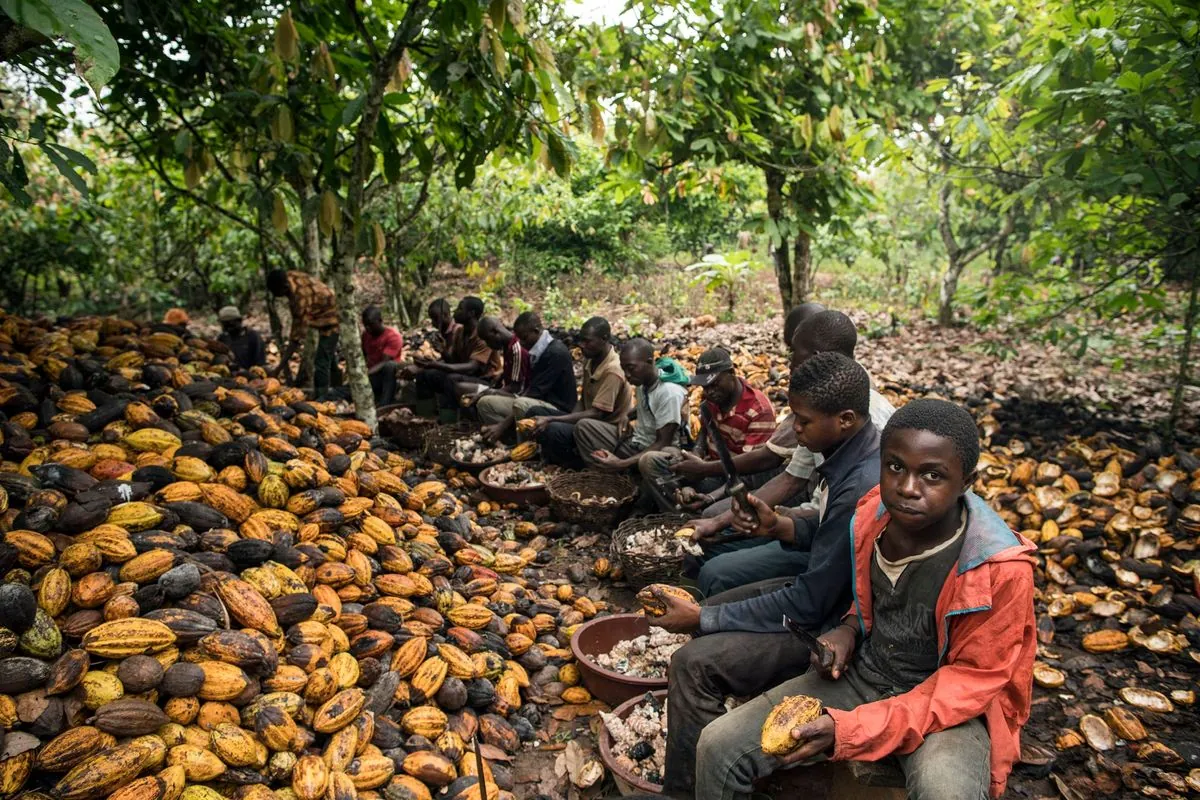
{"points": [[155, 164], [352, 6]]}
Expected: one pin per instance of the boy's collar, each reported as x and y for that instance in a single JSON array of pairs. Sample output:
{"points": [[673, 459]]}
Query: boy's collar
{"points": [[849, 453]]}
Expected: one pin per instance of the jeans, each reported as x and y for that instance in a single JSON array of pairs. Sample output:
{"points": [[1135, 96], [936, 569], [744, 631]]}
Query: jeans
{"points": [[383, 383], [710, 668], [325, 363], [746, 562], [953, 764]]}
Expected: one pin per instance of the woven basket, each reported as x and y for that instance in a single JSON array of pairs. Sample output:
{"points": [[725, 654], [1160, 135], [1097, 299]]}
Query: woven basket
{"points": [[408, 434], [641, 570], [439, 443], [566, 508]]}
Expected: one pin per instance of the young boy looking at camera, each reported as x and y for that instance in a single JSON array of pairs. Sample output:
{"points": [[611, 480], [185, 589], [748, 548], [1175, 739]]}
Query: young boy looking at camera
{"points": [[933, 662]]}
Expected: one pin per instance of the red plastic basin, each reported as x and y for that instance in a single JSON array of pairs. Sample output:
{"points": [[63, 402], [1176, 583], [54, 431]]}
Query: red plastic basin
{"points": [[600, 636]]}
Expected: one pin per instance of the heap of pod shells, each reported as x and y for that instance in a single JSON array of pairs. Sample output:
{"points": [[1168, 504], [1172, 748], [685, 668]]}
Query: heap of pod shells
{"points": [[213, 588]]}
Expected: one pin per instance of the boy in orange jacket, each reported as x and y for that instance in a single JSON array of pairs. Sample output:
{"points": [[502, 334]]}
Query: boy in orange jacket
{"points": [[933, 662]]}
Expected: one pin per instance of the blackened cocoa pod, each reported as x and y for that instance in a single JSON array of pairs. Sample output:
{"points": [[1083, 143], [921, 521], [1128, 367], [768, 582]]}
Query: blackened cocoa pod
{"points": [[19, 604], [67, 672], [69, 480], [292, 608], [189, 627], [157, 477], [140, 674], [246, 553], [21, 674], [182, 679], [110, 412], [210, 606], [79, 517], [198, 516]]}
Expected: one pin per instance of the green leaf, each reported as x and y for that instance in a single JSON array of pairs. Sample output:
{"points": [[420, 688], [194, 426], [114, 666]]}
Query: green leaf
{"points": [[559, 159], [353, 109], [78, 159], [74, 20], [66, 169], [1130, 80]]}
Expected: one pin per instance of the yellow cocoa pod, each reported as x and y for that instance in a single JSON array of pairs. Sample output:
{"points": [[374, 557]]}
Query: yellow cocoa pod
{"points": [[273, 492], [339, 711], [122, 638], [427, 721], [55, 592], [429, 677], [199, 765], [102, 773], [72, 747], [576, 694], [653, 606], [310, 777], [790, 714]]}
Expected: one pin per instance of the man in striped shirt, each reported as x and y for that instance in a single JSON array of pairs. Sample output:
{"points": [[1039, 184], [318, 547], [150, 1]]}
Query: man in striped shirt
{"points": [[744, 417], [312, 306]]}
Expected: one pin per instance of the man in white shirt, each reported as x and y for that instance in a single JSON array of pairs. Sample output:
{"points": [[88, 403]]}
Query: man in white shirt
{"points": [[660, 416]]}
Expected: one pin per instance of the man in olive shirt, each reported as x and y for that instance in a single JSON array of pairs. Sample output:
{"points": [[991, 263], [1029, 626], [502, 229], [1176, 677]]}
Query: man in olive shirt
{"points": [[604, 395]]}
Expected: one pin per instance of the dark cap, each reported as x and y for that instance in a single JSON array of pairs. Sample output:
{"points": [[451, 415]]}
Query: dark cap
{"points": [[710, 365]]}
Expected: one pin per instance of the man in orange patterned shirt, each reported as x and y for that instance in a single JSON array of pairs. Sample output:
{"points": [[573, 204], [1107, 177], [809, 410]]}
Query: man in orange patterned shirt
{"points": [[312, 305]]}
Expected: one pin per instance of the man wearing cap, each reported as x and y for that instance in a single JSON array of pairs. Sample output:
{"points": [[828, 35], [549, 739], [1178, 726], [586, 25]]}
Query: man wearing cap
{"points": [[244, 343], [382, 347], [744, 417]]}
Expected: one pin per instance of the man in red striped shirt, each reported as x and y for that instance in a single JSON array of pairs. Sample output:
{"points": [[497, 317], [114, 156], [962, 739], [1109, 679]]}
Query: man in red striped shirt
{"points": [[514, 374], [744, 416]]}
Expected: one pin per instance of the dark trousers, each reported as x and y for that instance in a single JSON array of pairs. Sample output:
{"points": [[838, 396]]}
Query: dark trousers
{"points": [[439, 385], [325, 363], [710, 668], [558, 445], [383, 383]]}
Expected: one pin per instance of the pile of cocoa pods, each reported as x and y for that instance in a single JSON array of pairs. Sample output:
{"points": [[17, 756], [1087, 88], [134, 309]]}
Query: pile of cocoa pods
{"points": [[211, 587]]}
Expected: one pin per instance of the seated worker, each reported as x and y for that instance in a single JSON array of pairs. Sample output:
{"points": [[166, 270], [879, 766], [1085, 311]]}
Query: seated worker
{"points": [[728, 565], [244, 343], [604, 396], [742, 648], [312, 306], [744, 416], [764, 462], [444, 326], [551, 390], [932, 662], [661, 419], [383, 348], [514, 370], [466, 358]]}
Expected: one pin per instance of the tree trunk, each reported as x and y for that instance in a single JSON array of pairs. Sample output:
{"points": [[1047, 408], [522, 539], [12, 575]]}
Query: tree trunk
{"points": [[947, 290], [346, 245], [1183, 374], [802, 269], [783, 268], [311, 240], [272, 311]]}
